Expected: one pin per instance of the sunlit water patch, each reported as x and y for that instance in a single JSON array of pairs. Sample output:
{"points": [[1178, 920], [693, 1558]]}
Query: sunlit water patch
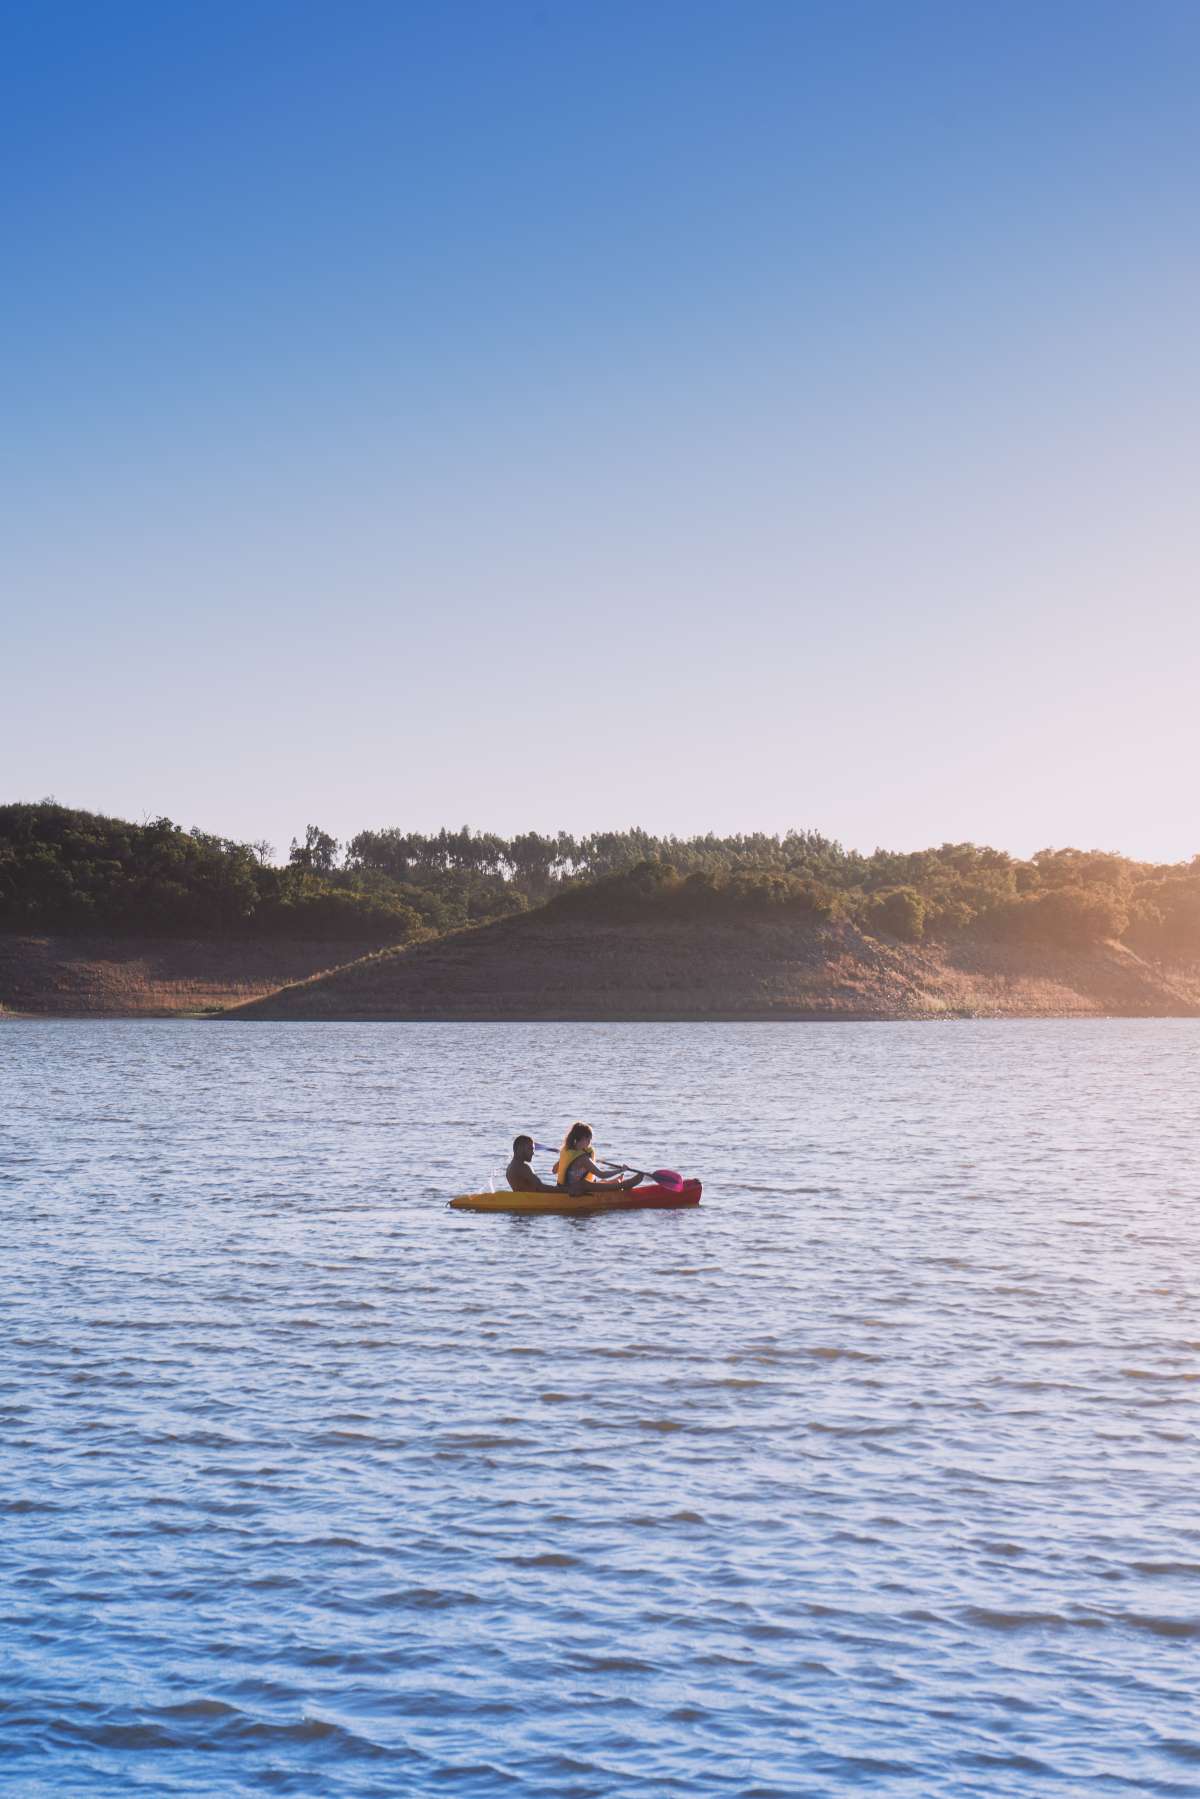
{"points": [[877, 1472]]}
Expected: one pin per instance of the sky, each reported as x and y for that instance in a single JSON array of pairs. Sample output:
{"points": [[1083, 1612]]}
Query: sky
{"points": [[547, 414]]}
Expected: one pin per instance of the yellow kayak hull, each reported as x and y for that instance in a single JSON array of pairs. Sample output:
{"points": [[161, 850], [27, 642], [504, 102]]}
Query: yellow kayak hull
{"points": [[635, 1199]]}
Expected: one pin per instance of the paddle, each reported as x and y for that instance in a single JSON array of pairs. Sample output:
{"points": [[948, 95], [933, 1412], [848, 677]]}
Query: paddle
{"points": [[663, 1177]]}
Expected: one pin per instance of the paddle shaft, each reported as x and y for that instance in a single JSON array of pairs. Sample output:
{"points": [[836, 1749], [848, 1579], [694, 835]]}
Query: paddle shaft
{"points": [[548, 1149], [666, 1177]]}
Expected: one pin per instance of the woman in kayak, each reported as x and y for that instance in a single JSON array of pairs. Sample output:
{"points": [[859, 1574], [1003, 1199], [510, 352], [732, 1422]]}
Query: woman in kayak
{"points": [[576, 1169]]}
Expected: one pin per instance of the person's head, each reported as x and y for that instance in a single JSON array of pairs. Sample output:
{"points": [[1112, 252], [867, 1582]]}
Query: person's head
{"points": [[578, 1137], [523, 1149]]}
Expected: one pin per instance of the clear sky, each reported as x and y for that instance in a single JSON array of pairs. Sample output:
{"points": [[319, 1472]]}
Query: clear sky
{"points": [[546, 413]]}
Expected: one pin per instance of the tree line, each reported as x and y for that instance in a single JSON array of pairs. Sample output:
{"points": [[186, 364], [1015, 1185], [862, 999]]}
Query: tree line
{"points": [[1061, 897], [66, 869], [71, 869], [537, 864]]}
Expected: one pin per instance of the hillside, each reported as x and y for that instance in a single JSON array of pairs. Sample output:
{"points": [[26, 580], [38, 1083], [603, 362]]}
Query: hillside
{"points": [[555, 967], [98, 975]]}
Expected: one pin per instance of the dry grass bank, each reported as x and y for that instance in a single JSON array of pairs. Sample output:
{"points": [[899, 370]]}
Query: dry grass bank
{"points": [[530, 968], [98, 976]]}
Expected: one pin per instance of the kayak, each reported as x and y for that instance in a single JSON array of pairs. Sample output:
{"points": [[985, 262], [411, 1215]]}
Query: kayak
{"points": [[635, 1199]]}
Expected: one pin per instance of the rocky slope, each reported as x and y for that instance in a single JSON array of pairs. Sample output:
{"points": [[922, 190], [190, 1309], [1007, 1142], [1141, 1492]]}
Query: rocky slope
{"points": [[535, 968], [99, 976]]}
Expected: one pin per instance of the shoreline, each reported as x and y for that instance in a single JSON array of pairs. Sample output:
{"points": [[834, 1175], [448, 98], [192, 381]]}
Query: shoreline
{"points": [[10, 1017]]}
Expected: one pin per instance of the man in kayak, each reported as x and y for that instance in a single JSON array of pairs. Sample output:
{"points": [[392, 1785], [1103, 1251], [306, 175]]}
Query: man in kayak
{"points": [[519, 1174]]}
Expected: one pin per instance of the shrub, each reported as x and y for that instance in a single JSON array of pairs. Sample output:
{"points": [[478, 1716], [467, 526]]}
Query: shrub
{"points": [[316, 910], [1165, 918], [899, 913], [1068, 916], [654, 890]]}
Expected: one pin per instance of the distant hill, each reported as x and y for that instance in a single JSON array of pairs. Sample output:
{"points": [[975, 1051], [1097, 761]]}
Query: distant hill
{"points": [[544, 966], [101, 916]]}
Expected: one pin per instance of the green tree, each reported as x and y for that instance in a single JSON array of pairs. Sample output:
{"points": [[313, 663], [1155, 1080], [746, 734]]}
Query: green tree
{"points": [[317, 854]]}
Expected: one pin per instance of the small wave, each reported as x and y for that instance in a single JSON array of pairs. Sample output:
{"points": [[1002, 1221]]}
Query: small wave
{"points": [[1181, 1748], [856, 1766], [309, 1729], [1162, 1627], [432, 1599], [854, 1430], [769, 1633], [992, 1619], [205, 1709], [333, 1439], [1015, 1763], [199, 1439], [647, 1521], [781, 1188], [482, 1439], [1156, 1375], [115, 1736], [610, 1664], [548, 1558], [218, 1720]]}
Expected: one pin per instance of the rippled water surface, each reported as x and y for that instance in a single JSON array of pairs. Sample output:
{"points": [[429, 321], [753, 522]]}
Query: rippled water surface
{"points": [[877, 1472]]}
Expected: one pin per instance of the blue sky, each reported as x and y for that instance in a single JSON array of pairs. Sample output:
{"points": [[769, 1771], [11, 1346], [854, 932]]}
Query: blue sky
{"points": [[570, 415]]}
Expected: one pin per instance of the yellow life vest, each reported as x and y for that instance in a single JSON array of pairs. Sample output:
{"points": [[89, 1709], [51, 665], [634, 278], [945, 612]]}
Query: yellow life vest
{"points": [[564, 1162]]}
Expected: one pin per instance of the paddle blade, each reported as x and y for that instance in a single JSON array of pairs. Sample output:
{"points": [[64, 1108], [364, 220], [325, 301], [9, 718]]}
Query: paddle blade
{"points": [[667, 1177]]}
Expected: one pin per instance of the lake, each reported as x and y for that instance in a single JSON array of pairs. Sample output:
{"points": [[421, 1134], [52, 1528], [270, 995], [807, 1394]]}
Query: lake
{"points": [[878, 1472]]}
